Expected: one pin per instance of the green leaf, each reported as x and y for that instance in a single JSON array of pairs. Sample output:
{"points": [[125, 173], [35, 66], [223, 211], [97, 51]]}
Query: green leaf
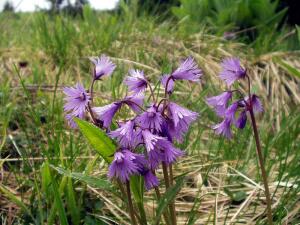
{"points": [[92, 181], [168, 197], [98, 139]]}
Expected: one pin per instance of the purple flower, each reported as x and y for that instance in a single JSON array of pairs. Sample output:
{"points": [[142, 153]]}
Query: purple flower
{"points": [[181, 115], [256, 104], [103, 66], [232, 71], [151, 119], [223, 128], [77, 100], [171, 83], [242, 119], [136, 82], [188, 70], [150, 139], [135, 102], [70, 119], [150, 180], [107, 112], [124, 134], [155, 157], [219, 100], [138, 159], [122, 166], [231, 110], [170, 153]]}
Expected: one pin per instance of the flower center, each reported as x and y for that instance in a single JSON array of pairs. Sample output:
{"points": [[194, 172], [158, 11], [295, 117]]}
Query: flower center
{"points": [[82, 96]]}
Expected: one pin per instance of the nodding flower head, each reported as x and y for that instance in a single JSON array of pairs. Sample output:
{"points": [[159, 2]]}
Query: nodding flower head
{"points": [[76, 102], [136, 81], [219, 100], [187, 70], [124, 134], [123, 166], [103, 66], [107, 112], [150, 179], [223, 128], [151, 119], [232, 71]]}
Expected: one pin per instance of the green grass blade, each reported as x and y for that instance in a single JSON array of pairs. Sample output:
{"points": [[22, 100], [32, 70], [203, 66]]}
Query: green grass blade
{"points": [[72, 205], [15, 199], [288, 68]]}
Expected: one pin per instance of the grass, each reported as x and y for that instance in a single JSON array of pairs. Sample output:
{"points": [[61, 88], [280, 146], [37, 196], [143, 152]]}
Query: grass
{"points": [[42, 161]]}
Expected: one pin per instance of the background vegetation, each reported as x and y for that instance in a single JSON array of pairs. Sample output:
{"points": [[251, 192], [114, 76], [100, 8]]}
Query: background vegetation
{"points": [[48, 173]]}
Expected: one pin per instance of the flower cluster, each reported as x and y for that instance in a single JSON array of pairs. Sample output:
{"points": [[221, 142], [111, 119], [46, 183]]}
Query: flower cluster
{"points": [[146, 140], [233, 112]]}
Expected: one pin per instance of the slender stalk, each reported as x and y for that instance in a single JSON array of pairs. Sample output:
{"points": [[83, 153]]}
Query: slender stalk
{"points": [[167, 182], [151, 91], [260, 155], [173, 202], [262, 167], [130, 205], [92, 114], [92, 90]]}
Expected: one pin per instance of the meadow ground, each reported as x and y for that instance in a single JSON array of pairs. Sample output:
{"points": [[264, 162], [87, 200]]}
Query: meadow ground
{"points": [[49, 174]]}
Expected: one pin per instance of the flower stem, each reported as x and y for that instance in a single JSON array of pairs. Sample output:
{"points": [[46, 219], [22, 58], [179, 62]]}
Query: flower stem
{"points": [[167, 182], [151, 91], [92, 90], [262, 167], [130, 205], [173, 202]]}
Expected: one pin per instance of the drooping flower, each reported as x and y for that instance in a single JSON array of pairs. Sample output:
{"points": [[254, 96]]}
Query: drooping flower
{"points": [[168, 79], [231, 110], [256, 104], [223, 128], [76, 102], [219, 100], [107, 112], [242, 119], [188, 70], [155, 156], [138, 159], [150, 180], [136, 82], [103, 66], [150, 139], [135, 102], [124, 134], [181, 115], [232, 71], [170, 153], [123, 166], [70, 118], [151, 119]]}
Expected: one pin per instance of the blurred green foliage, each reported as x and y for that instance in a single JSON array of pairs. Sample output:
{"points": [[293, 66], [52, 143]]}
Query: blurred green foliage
{"points": [[255, 22]]}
